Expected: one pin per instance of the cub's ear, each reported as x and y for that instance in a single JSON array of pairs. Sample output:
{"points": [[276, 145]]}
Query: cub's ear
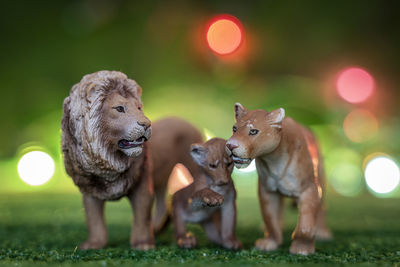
{"points": [[239, 110], [276, 116], [199, 154]]}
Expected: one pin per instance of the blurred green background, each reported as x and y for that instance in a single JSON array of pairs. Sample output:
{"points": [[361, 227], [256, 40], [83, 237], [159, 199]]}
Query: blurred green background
{"points": [[291, 55]]}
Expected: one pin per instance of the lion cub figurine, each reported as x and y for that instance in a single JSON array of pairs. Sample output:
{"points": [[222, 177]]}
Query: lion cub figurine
{"points": [[288, 164], [209, 200]]}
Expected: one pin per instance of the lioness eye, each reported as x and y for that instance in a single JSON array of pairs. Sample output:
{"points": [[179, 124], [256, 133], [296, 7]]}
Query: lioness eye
{"points": [[120, 109], [234, 128], [139, 107], [213, 166], [253, 132]]}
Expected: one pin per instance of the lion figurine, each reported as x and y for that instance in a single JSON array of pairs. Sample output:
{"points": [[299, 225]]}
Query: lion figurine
{"points": [[104, 134], [288, 164]]}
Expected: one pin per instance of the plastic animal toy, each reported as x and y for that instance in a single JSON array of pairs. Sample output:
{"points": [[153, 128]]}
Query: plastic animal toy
{"points": [[209, 200], [104, 134], [289, 164]]}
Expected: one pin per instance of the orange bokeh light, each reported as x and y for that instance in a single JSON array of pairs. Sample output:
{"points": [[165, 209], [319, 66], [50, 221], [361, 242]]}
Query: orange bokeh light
{"points": [[355, 85], [360, 125], [179, 178], [224, 34]]}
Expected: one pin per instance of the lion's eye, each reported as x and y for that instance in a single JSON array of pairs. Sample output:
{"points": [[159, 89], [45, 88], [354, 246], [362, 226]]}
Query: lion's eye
{"points": [[234, 128], [212, 166], [253, 132], [119, 109], [139, 107]]}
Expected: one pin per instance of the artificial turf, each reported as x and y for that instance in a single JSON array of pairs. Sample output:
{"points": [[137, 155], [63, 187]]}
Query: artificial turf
{"points": [[45, 229]]}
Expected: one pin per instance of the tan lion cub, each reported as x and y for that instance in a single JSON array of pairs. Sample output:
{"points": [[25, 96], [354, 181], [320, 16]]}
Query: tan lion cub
{"points": [[288, 164], [209, 200]]}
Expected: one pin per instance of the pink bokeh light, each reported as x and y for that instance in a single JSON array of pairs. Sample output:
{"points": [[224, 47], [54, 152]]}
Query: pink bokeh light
{"points": [[355, 85]]}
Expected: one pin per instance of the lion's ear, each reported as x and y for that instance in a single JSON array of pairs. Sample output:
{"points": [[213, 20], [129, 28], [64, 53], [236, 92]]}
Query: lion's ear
{"points": [[92, 91], [199, 154], [240, 111], [276, 116]]}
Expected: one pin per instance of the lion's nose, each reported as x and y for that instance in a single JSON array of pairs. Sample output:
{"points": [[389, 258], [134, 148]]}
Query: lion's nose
{"points": [[231, 146], [145, 124]]}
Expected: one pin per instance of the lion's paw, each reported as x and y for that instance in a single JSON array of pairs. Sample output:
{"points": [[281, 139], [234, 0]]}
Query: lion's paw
{"points": [[232, 243], [92, 245], [187, 241], [302, 247], [143, 246], [267, 244]]}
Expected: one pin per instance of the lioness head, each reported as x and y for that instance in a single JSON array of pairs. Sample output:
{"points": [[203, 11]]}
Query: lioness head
{"points": [[255, 133], [213, 160], [103, 115]]}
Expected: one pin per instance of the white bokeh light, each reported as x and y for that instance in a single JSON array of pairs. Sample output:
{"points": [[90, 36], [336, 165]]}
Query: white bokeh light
{"points": [[250, 168], [382, 175], [36, 168]]}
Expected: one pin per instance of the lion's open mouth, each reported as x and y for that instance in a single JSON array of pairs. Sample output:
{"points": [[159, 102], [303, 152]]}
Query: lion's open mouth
{"points": [[125, 144], [238, 160]]}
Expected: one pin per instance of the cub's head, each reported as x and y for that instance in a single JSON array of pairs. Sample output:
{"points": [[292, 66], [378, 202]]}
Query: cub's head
{"points": [[213, 160], [255, 133]]}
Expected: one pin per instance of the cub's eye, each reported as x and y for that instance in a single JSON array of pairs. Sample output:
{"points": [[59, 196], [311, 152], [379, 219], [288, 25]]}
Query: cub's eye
{"points": [[119, 109], [253, 132], [234, 128], [139, 107], [212, 166]]}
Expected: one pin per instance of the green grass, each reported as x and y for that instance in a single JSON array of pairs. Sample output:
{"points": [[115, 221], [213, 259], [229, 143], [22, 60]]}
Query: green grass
{"points": [[45, 229]]}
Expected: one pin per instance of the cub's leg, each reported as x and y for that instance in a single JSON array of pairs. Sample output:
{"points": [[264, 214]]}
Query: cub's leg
{"points": [[141, 200], [183, 239], [212, 228], [304, 234], [94, 211], [228, 224], [271, 208]]}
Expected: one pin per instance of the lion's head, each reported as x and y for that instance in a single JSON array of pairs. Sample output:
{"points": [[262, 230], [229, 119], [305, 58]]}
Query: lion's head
{"points": [[255, 133], [103, 121]]}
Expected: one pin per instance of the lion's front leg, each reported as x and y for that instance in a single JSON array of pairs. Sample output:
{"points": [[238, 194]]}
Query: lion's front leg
{"points": [[141, 200], [94, 211]]}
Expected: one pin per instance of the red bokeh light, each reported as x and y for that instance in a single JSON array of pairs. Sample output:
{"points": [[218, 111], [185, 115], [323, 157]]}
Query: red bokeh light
{"points": [[224, 34], [355, 85]]}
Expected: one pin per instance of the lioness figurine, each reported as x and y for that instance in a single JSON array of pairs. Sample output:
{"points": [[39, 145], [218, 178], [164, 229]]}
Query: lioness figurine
{"points": [[288, 164], [209, 200], [104, 134]]}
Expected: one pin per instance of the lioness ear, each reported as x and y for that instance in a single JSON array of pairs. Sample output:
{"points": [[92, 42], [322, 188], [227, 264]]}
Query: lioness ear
{"points": [[239, 110], [198, 153], [276, 116]]}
